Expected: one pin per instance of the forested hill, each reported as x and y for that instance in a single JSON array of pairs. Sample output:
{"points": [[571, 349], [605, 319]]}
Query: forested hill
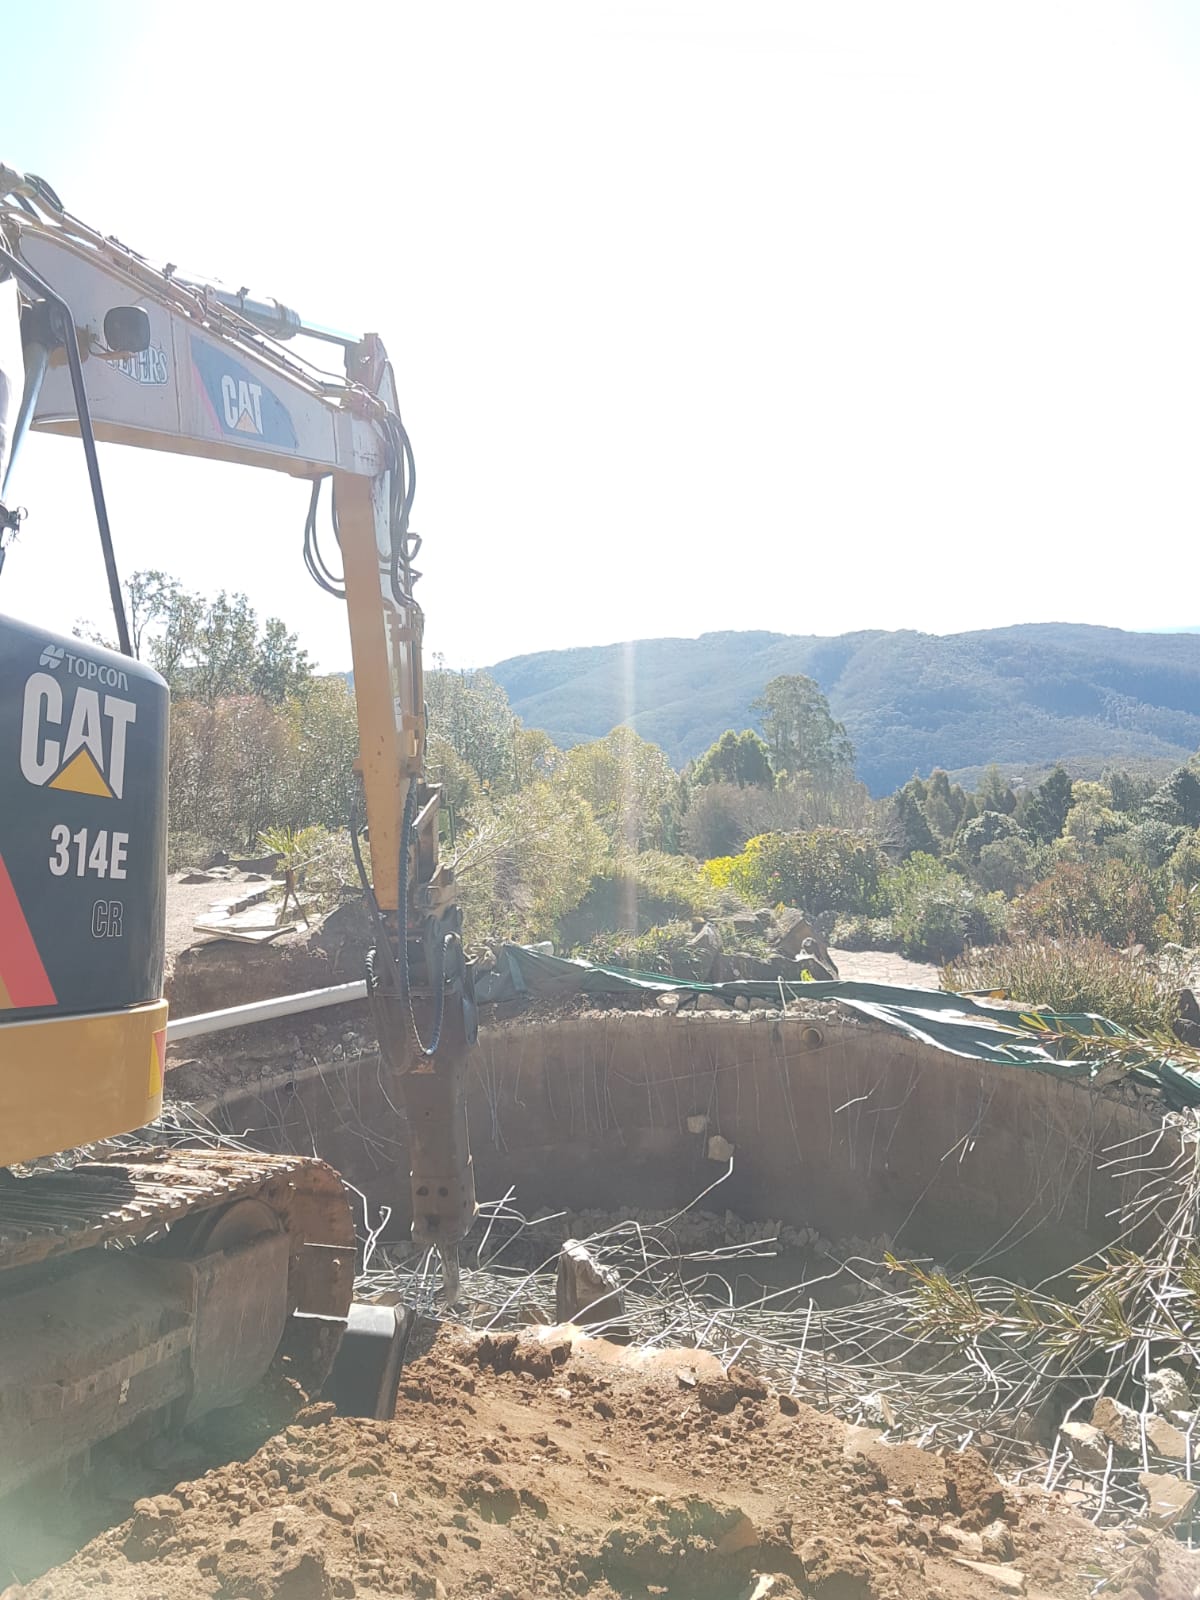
{"points": [[1025, 696]]}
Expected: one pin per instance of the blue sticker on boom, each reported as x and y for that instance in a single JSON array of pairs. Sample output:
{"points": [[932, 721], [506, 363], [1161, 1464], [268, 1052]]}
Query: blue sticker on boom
{"points": [[241, 405]]}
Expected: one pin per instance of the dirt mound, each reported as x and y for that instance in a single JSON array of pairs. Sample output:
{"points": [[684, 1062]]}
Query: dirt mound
{"points": [[550, 1465]]}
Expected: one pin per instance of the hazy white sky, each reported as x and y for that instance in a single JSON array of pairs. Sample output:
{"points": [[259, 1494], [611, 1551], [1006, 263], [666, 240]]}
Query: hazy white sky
{"points": [[706, 313]]}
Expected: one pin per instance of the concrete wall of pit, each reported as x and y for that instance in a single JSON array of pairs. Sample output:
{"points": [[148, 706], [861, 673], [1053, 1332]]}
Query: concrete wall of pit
{"points": [[846, 1127]]}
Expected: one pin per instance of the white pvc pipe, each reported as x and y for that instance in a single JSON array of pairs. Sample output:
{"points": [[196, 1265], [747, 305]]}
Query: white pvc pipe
{"points": [[284, 1005]]}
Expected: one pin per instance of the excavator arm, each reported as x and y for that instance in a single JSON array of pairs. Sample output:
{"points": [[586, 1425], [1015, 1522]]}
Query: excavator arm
{"points": [[117, 351]]}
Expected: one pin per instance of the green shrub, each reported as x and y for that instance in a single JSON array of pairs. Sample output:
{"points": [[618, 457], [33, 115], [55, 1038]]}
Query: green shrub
{"points": [[638, 893], [864, 933], [186, 850], [1180, 922], [936, 913], [661, 949], [1106, 899], [1079, 975], [823, 870], [322, 860]]}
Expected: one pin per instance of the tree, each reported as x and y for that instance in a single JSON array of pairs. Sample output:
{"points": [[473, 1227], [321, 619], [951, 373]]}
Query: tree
{"points": [[280, 668], [1184, 866], [995, 793], [528, 863], [716, 823], [740, 758], [1149, 843], [946, 804], [1007, 866], [471, 711], [1044, 814], [632, 789], [318, 783], [803, 736], [208, 649], [986, 829], [1177, 801], [1091, 819], [909, 823], [1129, 790]]}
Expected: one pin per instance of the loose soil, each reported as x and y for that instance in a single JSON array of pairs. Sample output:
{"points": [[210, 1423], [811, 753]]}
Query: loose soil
{"points": [[549, 1465]]}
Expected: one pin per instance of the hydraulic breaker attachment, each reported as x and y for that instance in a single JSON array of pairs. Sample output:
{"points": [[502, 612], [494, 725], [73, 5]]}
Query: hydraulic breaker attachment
{"points": [[432, 1081]]}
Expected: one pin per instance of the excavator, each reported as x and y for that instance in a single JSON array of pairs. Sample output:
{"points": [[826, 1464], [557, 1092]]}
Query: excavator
{"points": [[140, 1284]]}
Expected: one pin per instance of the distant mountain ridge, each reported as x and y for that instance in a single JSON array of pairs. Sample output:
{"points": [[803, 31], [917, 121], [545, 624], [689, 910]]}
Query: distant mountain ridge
{"points": [[1024, 696]]}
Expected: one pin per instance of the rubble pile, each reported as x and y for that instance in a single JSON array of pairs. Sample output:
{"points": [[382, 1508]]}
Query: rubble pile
{"points": [[549, 1464]]}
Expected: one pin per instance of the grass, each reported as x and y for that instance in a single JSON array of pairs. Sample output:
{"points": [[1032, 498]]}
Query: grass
{"points": [[1072, 975]]}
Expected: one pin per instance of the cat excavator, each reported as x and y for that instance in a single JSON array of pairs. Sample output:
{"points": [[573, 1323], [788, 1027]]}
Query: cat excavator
{"points": [[143, 1283]]}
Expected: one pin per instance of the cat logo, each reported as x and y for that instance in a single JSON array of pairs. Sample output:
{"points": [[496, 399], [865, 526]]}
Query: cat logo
{"points": [[243, 405], [74, 740], [235, 401]]}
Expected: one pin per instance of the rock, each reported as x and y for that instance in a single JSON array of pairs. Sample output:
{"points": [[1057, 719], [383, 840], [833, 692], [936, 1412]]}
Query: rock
{"points": [[1165, 1439], [268, 864], [742, 1536], [697, 1122], [302, 1577], [792, 929], [722, 1394], [719, 1149], [789, 930], [817, 970], [668, 1002], [789, 1405], [832, 1571], [743, 922], [584, 1291], [1006, 1578], [740, 1003], [1167, 1390], [760, 1586], [997, 1542], [1120, 1423], [711, 1002], [313, 1416], [1087, 1445], [703, 951], [876, 1411], [964, 1541], [1169, 1498]]}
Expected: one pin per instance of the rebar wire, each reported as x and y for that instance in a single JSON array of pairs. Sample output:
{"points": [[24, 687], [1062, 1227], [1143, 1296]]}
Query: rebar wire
{"points": [[905, 1347]]}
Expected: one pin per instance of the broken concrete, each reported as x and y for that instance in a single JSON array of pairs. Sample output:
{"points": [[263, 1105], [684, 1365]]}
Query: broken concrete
{"points": [[585, 1292]]}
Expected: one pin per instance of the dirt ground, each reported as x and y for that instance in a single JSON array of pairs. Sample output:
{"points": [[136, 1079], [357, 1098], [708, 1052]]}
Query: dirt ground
{"points": [[543, 1466]]}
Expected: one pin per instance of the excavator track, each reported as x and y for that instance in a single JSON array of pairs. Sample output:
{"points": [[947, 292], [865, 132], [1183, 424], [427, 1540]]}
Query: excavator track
{"points": [[124, 1202], [162, 1283]]}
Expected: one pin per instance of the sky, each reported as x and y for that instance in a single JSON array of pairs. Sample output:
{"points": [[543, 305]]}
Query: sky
{"points": [[706, 314]]}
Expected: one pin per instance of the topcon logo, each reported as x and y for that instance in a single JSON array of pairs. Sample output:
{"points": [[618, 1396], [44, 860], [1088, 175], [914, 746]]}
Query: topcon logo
{"points": [[54, 656]]}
